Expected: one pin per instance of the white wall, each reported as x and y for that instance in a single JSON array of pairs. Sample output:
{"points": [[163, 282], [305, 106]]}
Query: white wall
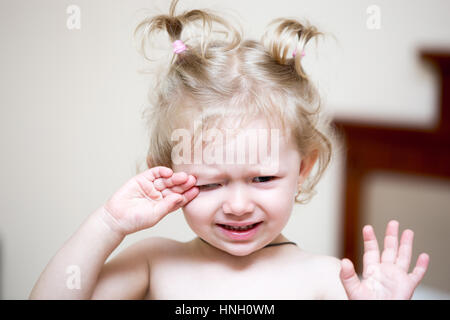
{"points": [[71, 102]]}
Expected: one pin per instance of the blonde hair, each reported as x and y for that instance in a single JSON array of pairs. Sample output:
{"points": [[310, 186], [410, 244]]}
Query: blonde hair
{"points": [[215, 78]]}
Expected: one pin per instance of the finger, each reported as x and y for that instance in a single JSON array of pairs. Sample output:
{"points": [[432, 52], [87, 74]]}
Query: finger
{"points": [[420, 268], [191, 180], [167, 204], [371, 255], [185, 186], [186, 196], [176, 179], [348, 276], [405, 250], [390, 242], [189, 195], [157, 172], [147, 188]]}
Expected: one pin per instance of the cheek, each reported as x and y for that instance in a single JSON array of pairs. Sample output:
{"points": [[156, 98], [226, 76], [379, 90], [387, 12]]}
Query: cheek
{"points": [[276, 202], [278, 205], [202, 208]]}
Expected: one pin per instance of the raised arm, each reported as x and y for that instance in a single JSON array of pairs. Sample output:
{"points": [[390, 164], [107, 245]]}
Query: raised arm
{"points": [[127, 276], [140, 204], [82, 256]]}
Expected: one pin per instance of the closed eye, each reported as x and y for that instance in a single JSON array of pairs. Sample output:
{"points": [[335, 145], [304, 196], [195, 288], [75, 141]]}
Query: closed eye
{"points": [[209, 186], [264, 179], [212, 186]]}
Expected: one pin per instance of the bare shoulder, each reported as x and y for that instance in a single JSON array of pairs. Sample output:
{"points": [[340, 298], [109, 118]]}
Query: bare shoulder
{"points": [[326, 263], [328, 270], [141, 252], [126, 275], [158, 247], [159, 242], [316, 263], [320, 262], [156, 244]]}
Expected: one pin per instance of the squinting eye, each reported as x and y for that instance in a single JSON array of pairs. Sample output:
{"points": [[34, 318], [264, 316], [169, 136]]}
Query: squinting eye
{"points": [[264, 179], [210, 186]]}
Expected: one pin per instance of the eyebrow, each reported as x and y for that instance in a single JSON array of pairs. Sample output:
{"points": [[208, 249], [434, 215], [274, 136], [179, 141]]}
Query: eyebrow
{"points": [[209, 174]]}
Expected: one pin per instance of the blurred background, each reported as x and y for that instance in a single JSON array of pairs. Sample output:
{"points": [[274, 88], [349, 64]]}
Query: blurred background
{"points": [[71, 131]]}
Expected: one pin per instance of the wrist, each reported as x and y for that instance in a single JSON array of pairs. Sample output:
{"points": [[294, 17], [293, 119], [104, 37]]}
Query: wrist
{"points": [[109, 224]]}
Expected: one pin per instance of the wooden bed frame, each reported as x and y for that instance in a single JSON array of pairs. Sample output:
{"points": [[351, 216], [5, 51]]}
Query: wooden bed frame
{"points": [[371, 147]]}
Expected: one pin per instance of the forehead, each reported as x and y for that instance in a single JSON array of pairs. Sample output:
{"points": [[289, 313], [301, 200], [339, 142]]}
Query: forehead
{"points": [[222, 171], [277, 159], [231, 146]]}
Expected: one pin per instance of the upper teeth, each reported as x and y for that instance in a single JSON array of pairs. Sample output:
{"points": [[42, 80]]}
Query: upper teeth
{"points": [[239, 228]]}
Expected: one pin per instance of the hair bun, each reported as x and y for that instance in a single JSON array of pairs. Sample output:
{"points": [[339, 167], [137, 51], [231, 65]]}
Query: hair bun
{"points": [[196, 28], [282, 34]]}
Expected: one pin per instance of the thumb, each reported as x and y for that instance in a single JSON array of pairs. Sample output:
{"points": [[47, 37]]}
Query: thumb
{"points": [[348, 276]]}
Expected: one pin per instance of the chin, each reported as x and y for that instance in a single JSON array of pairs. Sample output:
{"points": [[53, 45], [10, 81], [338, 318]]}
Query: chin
{"points": [[239, 252]]}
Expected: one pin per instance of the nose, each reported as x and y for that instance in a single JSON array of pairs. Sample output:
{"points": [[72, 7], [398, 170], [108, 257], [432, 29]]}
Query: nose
{"points": [[237, 201]]}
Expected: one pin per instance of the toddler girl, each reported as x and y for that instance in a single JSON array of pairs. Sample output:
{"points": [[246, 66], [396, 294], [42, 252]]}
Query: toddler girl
{"points": [[234, 135]]}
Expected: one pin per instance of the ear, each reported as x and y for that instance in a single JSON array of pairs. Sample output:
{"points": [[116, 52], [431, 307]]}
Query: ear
{"points": [[307, 164]]}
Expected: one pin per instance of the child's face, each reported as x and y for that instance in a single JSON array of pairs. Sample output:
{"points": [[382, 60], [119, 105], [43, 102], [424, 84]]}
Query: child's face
{"points": [[233, 194]]}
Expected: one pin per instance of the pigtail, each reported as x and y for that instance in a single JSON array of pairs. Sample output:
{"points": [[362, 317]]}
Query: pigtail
{"points": [[195, 28], [145, 33], [284, 35]]}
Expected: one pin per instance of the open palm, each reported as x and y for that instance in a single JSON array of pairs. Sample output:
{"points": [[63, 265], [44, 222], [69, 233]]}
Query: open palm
{"points": [[388, 277]]}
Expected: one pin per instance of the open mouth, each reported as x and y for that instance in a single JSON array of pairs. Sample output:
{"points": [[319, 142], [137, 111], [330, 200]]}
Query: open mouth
{"points": [[239, 229]]}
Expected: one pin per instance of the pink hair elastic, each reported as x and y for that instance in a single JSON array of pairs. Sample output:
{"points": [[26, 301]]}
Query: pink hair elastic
{"points": [[178, 46], [303, 53]]}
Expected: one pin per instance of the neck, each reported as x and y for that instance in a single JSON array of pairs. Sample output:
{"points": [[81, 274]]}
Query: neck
{"points": [[210, 251]]}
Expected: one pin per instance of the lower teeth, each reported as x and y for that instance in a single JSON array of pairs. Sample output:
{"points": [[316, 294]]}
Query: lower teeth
{"points": [[232, 229]]}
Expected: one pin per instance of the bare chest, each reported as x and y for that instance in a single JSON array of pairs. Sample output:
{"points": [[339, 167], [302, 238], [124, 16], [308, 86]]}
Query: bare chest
{"points": [[190, 280]]}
